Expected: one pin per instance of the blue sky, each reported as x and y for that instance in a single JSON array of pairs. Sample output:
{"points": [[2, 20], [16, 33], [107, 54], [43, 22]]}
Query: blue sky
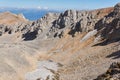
{"points": [[58, 4]]}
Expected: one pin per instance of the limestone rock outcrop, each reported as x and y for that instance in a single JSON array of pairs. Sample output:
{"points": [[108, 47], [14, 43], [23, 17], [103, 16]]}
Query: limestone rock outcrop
{"points": [[75, 21], [109, 26], [55, 24], [113, 73]]}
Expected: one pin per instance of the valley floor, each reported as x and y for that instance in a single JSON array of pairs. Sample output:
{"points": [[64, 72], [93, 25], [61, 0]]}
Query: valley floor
{"points": [[81, 61]]}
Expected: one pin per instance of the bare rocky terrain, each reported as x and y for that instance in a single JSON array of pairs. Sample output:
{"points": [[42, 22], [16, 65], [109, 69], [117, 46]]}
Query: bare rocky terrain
{"points": [[73, 45]]}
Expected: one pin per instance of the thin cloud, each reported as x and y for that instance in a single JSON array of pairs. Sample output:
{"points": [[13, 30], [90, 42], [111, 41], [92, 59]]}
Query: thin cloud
{"points": [[45, 8], [39, 7]]}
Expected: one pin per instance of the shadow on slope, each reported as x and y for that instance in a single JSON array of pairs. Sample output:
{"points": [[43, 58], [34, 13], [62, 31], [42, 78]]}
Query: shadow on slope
{"points": [[30, 35], [106, 42], [109, 28], [114, 55]]}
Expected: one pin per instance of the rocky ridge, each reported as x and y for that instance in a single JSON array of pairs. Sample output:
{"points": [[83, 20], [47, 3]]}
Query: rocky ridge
{"points": [[109, 26], [7, 18], [55, 24], [74, 21], [113, 73]]}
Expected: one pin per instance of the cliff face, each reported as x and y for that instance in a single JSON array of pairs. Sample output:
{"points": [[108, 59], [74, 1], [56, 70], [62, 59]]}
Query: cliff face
{"points": [[109, 26], [75, 21], [52, 24]]}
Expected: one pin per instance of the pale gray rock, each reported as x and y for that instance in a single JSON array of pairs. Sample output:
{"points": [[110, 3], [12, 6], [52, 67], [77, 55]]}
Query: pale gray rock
{"points": [[46, 70], [89, 35]]}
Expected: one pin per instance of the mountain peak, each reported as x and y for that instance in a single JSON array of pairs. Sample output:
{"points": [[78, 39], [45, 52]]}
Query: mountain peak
{"points": [[8, 18]]}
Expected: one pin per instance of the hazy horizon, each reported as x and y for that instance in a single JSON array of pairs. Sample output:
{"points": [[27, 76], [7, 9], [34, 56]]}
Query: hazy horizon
{"points": [[34, 10], [58, 5]]}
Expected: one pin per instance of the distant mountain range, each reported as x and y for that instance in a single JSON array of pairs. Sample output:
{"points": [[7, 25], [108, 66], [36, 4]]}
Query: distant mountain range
{"points": [[31, 14]]}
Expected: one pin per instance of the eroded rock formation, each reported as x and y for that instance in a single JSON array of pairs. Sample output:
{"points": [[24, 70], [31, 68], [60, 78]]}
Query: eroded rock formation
{"points": [[113, 73]]}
